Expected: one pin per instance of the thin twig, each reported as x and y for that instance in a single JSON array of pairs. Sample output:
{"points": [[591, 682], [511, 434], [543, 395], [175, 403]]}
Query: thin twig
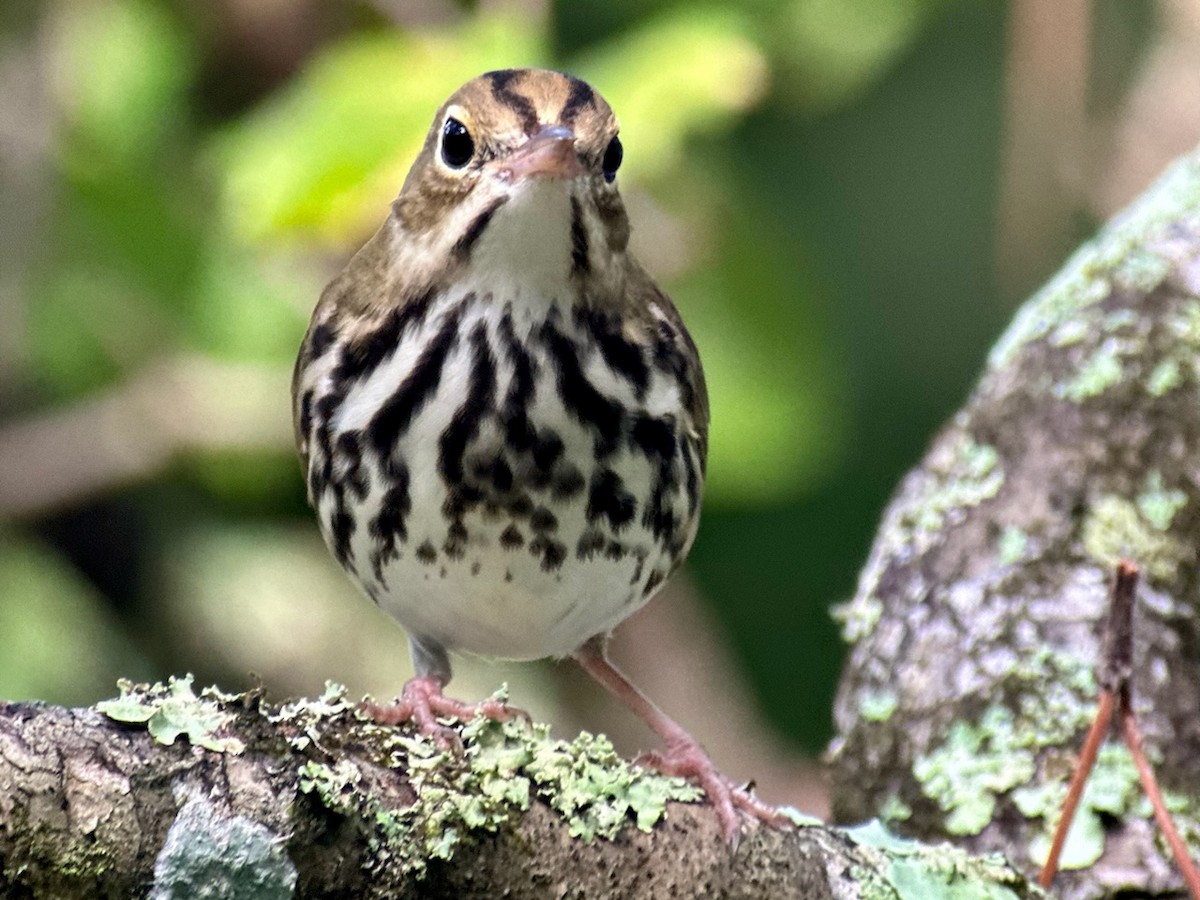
{"points": [[1087, 759], [1114, 675], [1133, 740]]}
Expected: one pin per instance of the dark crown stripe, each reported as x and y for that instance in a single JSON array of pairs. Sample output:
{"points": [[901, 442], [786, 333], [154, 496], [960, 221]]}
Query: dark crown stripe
{"points": [[481, 398], [390, 423], [579, 395], [622, 355], [580, 97], [579, 240], [363, 354], [462, 247], [505, 95]]}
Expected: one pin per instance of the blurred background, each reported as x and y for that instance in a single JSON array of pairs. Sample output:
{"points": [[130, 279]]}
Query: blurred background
{"points": [[847, 199]]}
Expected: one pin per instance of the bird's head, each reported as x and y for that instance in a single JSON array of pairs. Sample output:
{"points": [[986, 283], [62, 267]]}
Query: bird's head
{"points": [[519, 172]]}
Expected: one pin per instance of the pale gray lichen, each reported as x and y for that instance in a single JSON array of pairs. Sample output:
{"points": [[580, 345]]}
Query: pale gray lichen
{"points": [[858, 617], [969, 477], [209, 855], [173, 709], [959, 474], [908, 870]]}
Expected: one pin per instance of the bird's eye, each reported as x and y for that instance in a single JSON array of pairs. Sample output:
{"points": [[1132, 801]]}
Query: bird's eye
{"points": [[457, 146], [612, 159]]}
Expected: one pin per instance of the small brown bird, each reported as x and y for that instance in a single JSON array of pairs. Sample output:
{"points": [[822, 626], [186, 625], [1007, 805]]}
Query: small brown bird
{"points": [[502, 419]]}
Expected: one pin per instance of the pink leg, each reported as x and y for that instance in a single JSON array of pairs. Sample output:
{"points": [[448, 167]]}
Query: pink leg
{"points": [[684, 756], [422, 703]]}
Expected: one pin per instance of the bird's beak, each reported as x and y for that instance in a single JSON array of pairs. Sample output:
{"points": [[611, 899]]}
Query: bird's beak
{"points": [[549, 153]]}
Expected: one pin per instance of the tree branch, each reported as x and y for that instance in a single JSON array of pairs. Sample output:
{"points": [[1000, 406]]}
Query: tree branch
{"points": [[977, 624], [311, 800]]}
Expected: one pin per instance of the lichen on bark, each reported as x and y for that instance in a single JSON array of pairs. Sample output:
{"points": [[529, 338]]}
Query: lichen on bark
{"points": [[316, 800], [978, 615]]}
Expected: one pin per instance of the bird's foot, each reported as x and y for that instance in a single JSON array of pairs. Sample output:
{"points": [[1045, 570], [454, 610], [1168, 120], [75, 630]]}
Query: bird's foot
{"points": [[687, 759], [422, 703]]}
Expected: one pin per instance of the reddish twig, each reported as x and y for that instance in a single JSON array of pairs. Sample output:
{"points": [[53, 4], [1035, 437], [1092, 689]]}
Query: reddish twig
{"points": [[1087, 759], [1114, 675], [1133, 740]]}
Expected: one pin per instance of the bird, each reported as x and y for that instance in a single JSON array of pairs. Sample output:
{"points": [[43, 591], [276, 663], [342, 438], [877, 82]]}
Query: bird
{"points": [[501, 418]]}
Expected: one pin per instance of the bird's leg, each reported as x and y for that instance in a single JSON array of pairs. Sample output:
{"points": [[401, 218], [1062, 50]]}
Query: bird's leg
{"points": [[422, 701], [684, 756]]}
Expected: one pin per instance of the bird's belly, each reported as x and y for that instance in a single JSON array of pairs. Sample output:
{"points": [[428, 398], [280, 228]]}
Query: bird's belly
{"points": [[519, 509], [503, 602]]}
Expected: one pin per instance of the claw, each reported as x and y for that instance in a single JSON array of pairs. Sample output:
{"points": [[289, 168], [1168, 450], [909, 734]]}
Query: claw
{"points": [[684, 757], [422, 703]]}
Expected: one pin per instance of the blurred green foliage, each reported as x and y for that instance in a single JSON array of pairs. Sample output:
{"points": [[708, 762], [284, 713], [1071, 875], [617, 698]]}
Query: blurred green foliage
{"points": [[815, 179]]}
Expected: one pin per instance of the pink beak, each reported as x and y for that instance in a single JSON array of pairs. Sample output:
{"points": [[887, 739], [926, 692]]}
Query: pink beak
{"points": [[550, 152]]}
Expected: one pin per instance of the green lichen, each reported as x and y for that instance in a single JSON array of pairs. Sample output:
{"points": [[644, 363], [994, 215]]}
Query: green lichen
{"points": [[1079, 284], [1100, 371], [1141, 271], [173, 709], [1116, 528], [858, 617], [1123, 255], [503, 766], [907, 870], [1164, 377], [972, 475], [1157, 504], [975, 765], [982, 761], [1119, 319], [1012, 546], [878, 706], [1113, 789], [895, 810]]}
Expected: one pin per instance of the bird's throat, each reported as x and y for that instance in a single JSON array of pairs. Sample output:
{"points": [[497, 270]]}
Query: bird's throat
{"points": [[525, 250]]}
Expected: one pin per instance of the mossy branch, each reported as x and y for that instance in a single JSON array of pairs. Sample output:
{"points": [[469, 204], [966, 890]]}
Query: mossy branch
{"points": [[977, 624], [172, 794]]}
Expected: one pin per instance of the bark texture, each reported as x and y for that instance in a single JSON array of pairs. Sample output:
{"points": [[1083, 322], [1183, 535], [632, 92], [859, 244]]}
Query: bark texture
{"points": [[976, 625], [308, 800]]}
